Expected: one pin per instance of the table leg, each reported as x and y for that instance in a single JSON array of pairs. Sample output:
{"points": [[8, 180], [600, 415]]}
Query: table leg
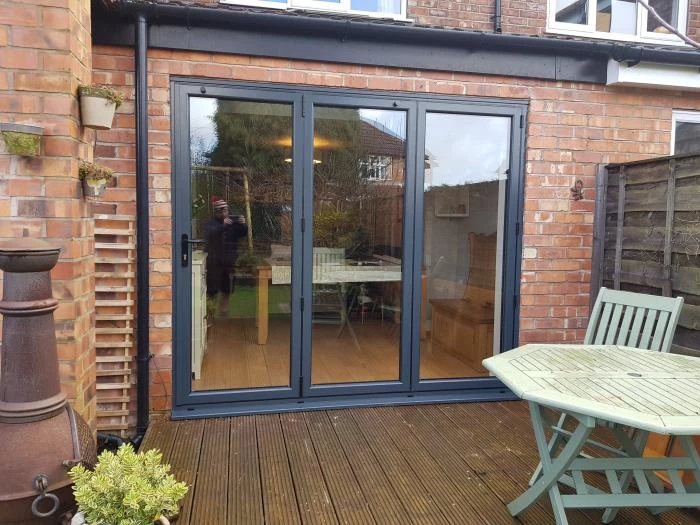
{"points": [[262, 311], [553, 446], [552, 467]]}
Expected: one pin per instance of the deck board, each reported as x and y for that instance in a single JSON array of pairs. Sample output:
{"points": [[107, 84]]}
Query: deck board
{"points": [[424, 464], [381, 497], [279, 498], [350, 505], [245, 500]]}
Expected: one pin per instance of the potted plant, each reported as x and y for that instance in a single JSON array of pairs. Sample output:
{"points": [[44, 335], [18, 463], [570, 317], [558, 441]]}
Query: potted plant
{"points": [[94, 178], [21, 139], [126, 488], [98, 104]]}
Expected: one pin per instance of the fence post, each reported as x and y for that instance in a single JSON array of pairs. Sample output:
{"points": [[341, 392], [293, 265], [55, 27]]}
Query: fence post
{"points": [[620, 227], [598, 233], [667, 289]]}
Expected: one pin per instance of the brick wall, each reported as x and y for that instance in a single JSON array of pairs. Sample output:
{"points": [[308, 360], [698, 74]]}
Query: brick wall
{"points": [[525, 17], [46, 54], [572, 129]]}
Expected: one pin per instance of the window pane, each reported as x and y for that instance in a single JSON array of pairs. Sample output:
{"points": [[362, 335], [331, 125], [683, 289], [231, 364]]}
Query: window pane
{"points": [[687, 138], [668, 10], [359, 164], [392, 7], [465, 170], [572, 11], [241, 180], [617, 16]]}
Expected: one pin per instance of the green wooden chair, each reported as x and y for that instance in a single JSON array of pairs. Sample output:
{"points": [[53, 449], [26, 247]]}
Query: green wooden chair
{"points": [[625, 319]]}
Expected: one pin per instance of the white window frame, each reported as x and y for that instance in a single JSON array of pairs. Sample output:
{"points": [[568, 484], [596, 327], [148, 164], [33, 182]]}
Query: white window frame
{"points": [[642, 35], [379, 164], [680, 115], [319, 5]]}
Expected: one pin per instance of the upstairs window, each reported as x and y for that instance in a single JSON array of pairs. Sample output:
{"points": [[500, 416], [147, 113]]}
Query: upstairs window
{"points": [[617, 19], [376, 167], [685, 134], [376, 8]]}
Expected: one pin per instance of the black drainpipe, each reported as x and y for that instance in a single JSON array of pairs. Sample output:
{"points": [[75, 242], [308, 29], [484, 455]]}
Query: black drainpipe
{"points": [[497, 17], [143, 355]]}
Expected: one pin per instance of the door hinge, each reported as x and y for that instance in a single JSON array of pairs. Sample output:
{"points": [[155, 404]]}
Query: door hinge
{"points": [[516, 300], [301, 384], [522, 121], [303, 106], [517, 228], [303, 224], [301, 304]]}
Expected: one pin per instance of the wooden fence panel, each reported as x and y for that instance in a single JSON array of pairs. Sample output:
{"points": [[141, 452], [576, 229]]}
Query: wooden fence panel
{"points": [[648, 235]]}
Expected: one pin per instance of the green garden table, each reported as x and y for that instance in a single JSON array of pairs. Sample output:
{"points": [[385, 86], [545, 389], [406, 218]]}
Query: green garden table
{"points": [[616, 387]]}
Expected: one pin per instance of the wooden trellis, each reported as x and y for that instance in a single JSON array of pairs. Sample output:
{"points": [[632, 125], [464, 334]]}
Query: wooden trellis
{"points": [[115, 292]]}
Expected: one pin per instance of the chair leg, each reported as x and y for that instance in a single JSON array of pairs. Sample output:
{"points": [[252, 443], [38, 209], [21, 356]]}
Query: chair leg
{"points": [[634, 448]]}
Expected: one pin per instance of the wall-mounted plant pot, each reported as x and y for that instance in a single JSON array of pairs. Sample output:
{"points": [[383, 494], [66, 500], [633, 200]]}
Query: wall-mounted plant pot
{"points": [[21, 139], [96, 112], [93, 187]]}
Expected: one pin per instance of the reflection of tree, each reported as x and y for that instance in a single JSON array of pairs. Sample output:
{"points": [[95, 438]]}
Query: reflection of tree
{"points": [[340, 190], [249, 166]]}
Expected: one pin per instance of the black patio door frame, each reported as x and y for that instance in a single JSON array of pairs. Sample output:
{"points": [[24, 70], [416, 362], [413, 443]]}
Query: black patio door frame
{"points": [[189, 403]]}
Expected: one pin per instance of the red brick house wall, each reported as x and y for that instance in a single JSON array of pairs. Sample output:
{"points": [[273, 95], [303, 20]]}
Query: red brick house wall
{"points": [[525, 17], [45, 53], [572, 128]]}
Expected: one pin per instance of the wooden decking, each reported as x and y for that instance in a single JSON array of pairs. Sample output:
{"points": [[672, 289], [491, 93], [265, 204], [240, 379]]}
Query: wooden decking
{"points": [[426, 464]]}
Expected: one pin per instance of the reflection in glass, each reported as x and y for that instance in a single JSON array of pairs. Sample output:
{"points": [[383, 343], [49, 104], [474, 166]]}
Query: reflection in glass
{"points": [[392, 7], [572, 11], [241, 181], [359, 170], [465, 175], [617, 16], [687, 138], [668, 10]]}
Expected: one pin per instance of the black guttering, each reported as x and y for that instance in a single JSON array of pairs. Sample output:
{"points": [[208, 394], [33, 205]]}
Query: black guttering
{"points": [[142, 231], [364, 30]]}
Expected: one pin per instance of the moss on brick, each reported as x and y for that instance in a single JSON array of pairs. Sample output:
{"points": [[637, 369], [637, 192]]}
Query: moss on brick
{"points": [[18, 143]]}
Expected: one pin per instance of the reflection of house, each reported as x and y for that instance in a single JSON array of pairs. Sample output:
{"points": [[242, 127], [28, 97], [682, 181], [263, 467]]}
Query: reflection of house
{"points": [[386, 151]]}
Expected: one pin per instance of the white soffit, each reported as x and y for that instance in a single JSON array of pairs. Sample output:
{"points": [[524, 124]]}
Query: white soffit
{"points": [[661, 76]]}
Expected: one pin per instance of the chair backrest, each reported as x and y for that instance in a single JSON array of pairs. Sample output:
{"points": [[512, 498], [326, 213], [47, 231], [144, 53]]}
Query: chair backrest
{"points": [[633, 319], [325, 258]]}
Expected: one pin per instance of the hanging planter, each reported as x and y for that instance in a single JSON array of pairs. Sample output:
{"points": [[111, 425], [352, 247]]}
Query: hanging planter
{"points": [[94, 178], [97, 105], [21, 139]]}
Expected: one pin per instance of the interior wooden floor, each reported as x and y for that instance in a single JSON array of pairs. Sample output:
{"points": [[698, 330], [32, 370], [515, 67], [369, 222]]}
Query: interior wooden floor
{"points": [[427, 464], [234, 360]]}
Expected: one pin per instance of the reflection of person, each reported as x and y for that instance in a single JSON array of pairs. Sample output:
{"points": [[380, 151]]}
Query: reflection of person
{"points": [[222, 233]]}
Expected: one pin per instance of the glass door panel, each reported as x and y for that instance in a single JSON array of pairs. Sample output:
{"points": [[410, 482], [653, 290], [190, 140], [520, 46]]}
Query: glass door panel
{"points": [[241, 232], [359, 165], [465, 178]]}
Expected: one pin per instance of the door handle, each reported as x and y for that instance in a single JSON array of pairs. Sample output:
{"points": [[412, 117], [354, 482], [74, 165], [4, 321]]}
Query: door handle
{"points": [[185, 242]]}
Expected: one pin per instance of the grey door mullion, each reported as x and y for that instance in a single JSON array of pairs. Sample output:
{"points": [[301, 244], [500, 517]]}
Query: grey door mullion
{"points": [[307, 186]]}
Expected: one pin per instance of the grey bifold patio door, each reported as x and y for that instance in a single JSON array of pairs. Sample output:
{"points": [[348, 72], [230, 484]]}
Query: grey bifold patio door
{"points": [[339, 245]]}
